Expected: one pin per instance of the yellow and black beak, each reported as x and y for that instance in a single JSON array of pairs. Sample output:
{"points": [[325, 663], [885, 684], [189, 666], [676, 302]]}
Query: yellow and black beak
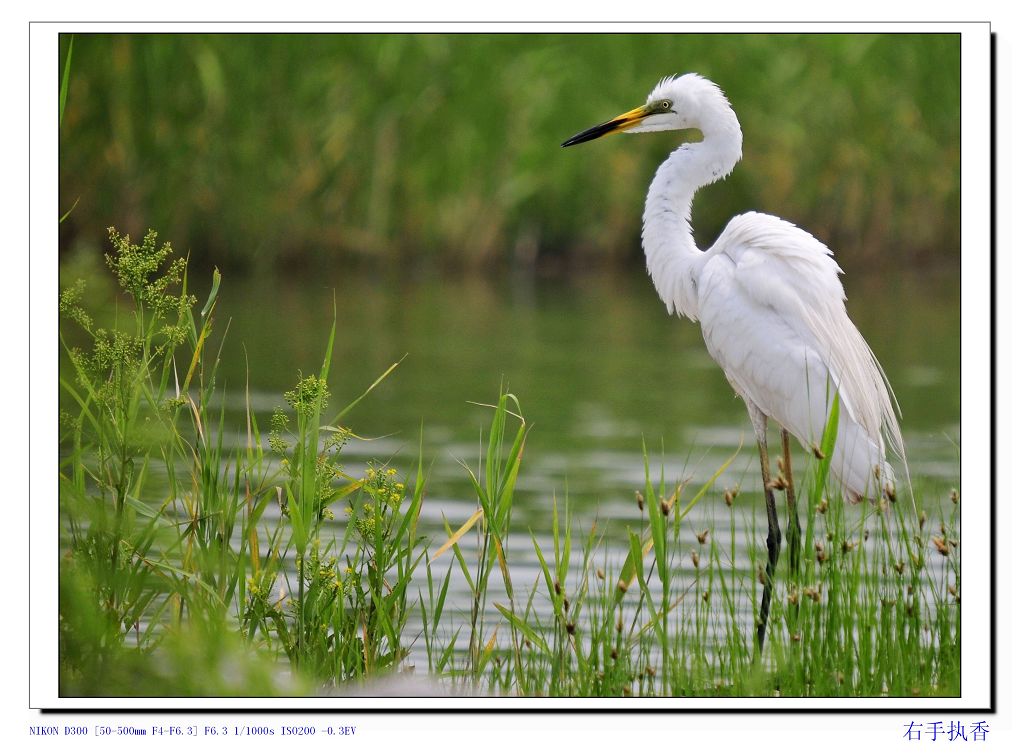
{"points": [[617, 125]]}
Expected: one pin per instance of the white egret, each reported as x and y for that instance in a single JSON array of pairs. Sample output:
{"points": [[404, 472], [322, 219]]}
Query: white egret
{"points": [[771, 308]]}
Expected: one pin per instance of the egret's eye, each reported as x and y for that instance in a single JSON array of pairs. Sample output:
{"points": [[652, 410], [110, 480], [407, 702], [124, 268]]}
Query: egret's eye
{"points": [[665, 105]]}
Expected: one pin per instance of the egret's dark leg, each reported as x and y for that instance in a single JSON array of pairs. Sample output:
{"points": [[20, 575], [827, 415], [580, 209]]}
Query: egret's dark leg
{"points": [[775, 538], [792, 518]]}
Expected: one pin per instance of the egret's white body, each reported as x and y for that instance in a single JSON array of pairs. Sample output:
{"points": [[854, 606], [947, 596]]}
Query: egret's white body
{"points": [[767, 295], [771, 308]]}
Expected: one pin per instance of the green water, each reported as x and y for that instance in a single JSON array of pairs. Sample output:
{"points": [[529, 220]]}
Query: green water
{"points": [[596, 362]]}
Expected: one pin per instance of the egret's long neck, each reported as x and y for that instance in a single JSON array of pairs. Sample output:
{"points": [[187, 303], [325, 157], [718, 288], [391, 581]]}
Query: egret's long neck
{"points": [[674, 260]]}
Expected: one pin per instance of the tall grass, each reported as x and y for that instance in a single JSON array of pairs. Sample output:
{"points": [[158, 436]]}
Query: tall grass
{"points": [[443, 149], [166, 528], [205, 558], [872, 610]]}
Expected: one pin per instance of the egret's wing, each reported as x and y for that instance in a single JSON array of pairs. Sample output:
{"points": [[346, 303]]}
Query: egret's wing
{"points": [[788, 272], [771, 364]]}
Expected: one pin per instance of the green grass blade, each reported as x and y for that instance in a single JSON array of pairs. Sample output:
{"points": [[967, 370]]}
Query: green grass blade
{"points": [[65, 82], [350, 406], [211, 300], [525, 628]]}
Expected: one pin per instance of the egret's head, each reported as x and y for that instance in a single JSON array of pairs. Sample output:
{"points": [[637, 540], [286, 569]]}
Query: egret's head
{"points": [[676, 103]]}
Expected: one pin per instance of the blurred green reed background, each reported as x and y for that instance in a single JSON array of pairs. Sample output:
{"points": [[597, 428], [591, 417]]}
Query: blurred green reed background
{"points": [[442, 150]]}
